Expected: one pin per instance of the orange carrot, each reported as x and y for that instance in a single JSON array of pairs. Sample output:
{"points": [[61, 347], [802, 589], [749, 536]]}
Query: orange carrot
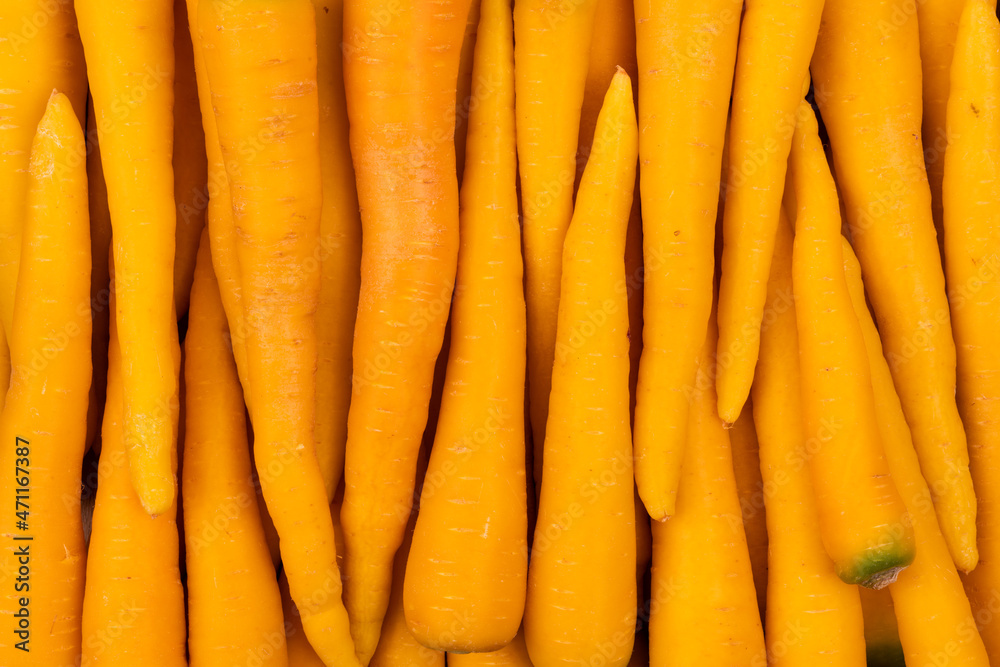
{"points": [[300, 652], [43, 424], [4, 368], [276, 195], [234, 606], [581, 602], [872, 116], [400, 71], [514, 654], [750, 487], [130, 62], [474, 501], [686, 53], [464, 100]]}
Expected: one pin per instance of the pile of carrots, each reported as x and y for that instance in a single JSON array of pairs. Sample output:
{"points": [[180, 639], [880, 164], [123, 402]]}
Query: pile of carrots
{"points": [[398, 333]]}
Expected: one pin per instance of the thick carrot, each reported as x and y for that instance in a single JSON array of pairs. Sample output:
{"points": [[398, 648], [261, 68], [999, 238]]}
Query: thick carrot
{"points": [[776, 42], [551, 43], [400, 70], [474, 501], [581, 601], [514, 654], [100, 277], [133, 605], [190, 161], [39, 52], [861, 514], [687, 52], [130, 66], [750, 488], [234, 606], [43, 424], [882, 647], [219, 213], [932, 611], [276, 194], [971, 186], [338, 255], [704, 610], [804, 594], [300, 652], [872, 115]]}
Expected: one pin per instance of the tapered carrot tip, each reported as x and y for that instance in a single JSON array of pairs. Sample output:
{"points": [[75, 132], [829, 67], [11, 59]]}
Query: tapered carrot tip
{"points": [[156, 493]]}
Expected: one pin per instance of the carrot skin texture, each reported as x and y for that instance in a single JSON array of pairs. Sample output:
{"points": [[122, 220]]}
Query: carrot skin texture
{"points": [[946, 624], [684, 87], [276, 197], [225, 568], [777, 38], [704, 608], [971, 185], [750, 488], [803, 590], [131, 75], [861, 515], [880, 174], [476, 502], [133, 587], [190, 161], [338, 252], [44, 421], [883, 648], [514, 654], [31, 67], [581, 595], [401, 111], [551, 43]]}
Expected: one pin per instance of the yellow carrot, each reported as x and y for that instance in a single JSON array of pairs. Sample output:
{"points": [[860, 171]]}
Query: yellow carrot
{"points": [[339, 251], [971, 185], [43, 425], [190, 162], [882, 647], [130, 66], [932, 611], [39, 52], [400, 70], [861, 514], [687, 52], [581, 603], [704, 610], [300, 652], [475, 500], [276, 195], [234, 606], [551, 42], [872, 116], [750, 487], [777, 38], [813, 618]]}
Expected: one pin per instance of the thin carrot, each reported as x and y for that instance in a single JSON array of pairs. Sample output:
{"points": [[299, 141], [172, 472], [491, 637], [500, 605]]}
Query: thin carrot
{"points": [[704, 610], [750, 488], [551, 43], [581, 601], [339, 251], [100, 277], [872, 115], [400, 71], [133, 605], [776, 42], [861, 514], [464, 100], [514, 654], [43, 424], [36, 57], [882, 647], [130, 65], [219, 213], [234, 606], [971, 186], [687, 52], [804, 593], [932, 611], [276, 195], [474, 501], [190, 161]]}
